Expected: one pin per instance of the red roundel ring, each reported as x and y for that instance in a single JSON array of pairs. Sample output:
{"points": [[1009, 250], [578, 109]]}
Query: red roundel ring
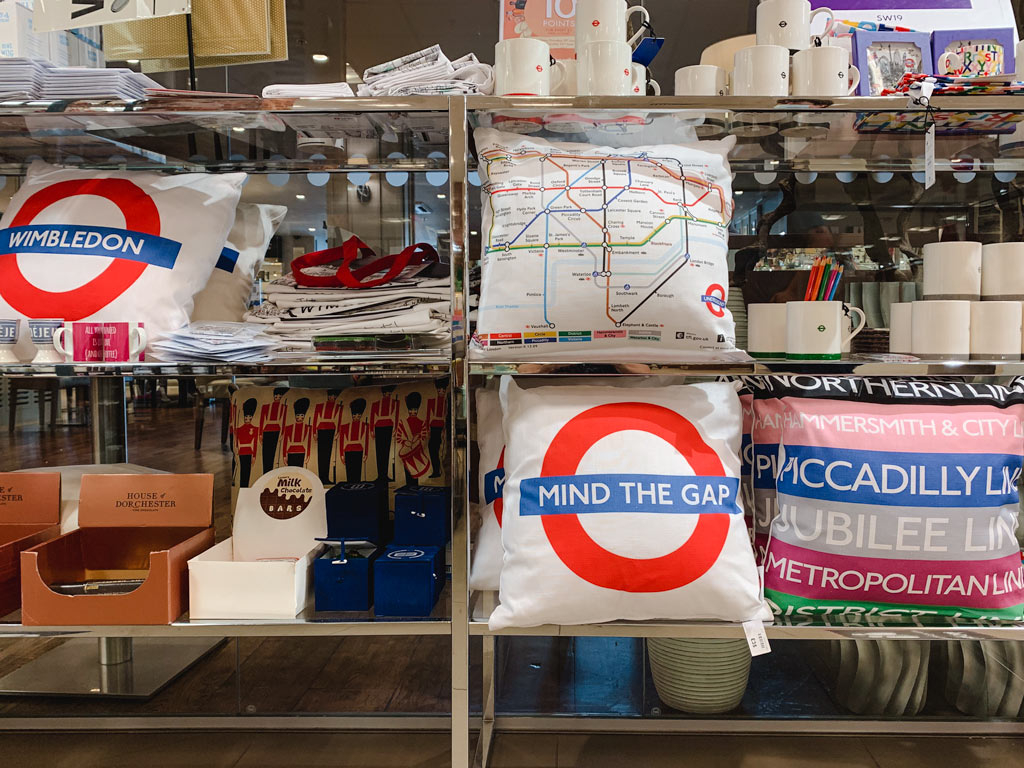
{"points": [[140, 215], [499, 503], [588, 559], [718, 292]]}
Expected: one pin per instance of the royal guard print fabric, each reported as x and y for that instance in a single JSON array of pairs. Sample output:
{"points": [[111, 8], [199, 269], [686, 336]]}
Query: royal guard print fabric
{"points": [[623, 504], [394, 432]]}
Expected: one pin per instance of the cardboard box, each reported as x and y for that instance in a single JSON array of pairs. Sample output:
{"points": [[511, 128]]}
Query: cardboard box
{"points": [[132, 526], [407, 581], [29, 515], [422, 516], [221, 587], [343, 576]]}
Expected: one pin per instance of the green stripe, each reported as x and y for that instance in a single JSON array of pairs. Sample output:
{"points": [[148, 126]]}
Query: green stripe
{"points": [[784, 601], [794, 356]]}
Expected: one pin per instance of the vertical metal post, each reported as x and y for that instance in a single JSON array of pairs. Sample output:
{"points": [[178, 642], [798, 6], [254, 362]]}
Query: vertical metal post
{"points": [[458, 143], [190, 40], [109, 420]]}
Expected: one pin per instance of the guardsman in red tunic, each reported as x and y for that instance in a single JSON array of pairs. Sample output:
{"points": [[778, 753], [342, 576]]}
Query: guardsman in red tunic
{"points": [[246, 438], [383, 416], [271, 423], [326, 416], [297, 439], [437, 414], [355, 441], [411, 441]]}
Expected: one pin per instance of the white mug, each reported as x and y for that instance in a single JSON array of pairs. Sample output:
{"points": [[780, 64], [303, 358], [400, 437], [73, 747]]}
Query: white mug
{"points": [[900, 328], [605, 20], [640, 82], [700, 80], [522, 67], [941, 330], [9, 340], [824, 71], [995, 330], [604, 68], [42, 331], [761, 70], [952, 270], [788, 23], [1002, 272], [766, 330], [567, 85], [817, 330]]}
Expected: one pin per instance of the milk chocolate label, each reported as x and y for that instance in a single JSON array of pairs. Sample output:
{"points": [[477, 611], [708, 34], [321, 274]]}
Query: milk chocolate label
{"points": [[287, 497]]}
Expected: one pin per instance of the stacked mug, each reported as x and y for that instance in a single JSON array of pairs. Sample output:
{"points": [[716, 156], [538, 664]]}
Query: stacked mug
{"points": [[972, 307], [604, 56]]}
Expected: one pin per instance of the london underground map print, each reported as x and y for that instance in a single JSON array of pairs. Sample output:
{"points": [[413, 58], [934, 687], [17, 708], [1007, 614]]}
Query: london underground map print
{"points": [[603, 247]]}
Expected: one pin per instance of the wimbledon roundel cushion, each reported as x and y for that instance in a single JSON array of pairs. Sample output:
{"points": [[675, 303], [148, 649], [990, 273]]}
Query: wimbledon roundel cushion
{"points": [[623, 504], [226, 295], [113, 245], [591, 252]]}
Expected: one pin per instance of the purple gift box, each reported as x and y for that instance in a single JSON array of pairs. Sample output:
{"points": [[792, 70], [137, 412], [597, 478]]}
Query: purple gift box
{"points": [[888, 68], [947, 39]]}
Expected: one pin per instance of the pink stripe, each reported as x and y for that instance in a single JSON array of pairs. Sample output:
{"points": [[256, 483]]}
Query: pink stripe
{"points": [[804, 581], [766, 426], [874, 427], [747, 407]]}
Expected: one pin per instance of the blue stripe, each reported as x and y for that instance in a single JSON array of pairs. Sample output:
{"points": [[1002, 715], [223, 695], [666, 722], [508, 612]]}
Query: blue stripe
{"points": [[893, 478], [659, 494], [70, 239], [765, 458], [228, 259], [494, 483]]}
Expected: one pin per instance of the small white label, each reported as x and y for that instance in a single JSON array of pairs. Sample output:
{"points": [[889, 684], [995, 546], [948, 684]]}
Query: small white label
{"points": [[929, 157], [757, 639]]}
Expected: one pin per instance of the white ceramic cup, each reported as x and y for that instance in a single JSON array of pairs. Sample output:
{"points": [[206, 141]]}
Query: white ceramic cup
{"points": [[900, 328], [766, 330], [817, 330], [952, 271], [567, 85], [42, 332], [604, 68], [941, 330], [788, 23], [640, 82], [995, 330], [9, 340], [824, 71], [522, 67], [605, 20], [1002, 272], [761, 70], [701, 80]]}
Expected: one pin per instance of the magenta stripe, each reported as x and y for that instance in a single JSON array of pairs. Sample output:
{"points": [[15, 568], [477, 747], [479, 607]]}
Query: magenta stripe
{"points": [[871, 427], [804, 581]]}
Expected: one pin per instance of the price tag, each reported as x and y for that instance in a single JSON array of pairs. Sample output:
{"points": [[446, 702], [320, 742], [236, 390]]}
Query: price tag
{"points": [[757, 639], [929, 156]]}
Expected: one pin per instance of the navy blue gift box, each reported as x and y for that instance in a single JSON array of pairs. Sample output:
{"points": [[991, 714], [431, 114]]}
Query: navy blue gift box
{"points": [[343, 576], [358, 511], [421, 516], [407, 580]]}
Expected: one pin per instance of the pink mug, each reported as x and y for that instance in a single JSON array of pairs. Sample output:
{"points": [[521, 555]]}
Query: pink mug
{"points": [[94, 341]]}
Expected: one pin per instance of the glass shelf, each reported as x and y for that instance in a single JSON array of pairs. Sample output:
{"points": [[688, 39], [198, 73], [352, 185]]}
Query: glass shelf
{"points": [[764, 367]]}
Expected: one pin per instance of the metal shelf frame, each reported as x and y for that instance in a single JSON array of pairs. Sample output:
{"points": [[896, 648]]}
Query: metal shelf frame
{"points": [[466, 373]]}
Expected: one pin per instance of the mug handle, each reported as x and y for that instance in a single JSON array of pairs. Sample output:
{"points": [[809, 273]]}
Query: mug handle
{"points": [[647, 18], [556, 64], [946, 58], [655, 87], [828, 24], [57, 343], [140, 342], [860, 326], [854, 79]]}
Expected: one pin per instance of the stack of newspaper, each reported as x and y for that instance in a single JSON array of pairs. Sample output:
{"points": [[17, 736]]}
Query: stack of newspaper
{"points": [[428, 72], [216, 343], [417, 303]]}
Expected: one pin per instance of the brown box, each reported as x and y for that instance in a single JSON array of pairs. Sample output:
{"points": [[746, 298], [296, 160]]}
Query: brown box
{"points": [[132, 526], [29, 515]]}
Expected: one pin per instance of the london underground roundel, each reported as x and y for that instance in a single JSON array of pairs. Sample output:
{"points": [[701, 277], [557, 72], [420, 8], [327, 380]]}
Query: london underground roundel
{"points": [[601, 567], [140, 215]]}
